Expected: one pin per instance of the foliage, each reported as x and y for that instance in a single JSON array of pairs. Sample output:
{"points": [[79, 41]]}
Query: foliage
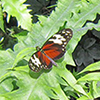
{"points": [[1, 18], [18, 82], [18, 9]]}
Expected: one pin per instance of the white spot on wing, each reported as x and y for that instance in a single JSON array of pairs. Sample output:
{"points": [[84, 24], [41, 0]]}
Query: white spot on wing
{"points": [[58, 39], [63, 31], [36, 61]]}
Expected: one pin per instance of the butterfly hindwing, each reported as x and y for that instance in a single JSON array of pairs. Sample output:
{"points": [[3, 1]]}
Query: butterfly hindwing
{"points": [[39, 61], [35, 63], [53, 49]]}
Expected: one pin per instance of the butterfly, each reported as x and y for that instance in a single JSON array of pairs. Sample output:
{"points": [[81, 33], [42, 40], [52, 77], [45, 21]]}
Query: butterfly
{"points": [[53, 49]]}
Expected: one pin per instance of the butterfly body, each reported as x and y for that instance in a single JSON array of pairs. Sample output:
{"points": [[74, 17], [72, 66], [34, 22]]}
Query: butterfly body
{"points": [[53, 49]]}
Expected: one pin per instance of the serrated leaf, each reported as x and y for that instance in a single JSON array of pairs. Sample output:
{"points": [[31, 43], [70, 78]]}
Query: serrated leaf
{"points": [[86, 12], [19, 10]]}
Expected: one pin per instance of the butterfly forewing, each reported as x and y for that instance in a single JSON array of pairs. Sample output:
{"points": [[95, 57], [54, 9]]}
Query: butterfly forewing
{"points": [[53, 49], [55, 46]]}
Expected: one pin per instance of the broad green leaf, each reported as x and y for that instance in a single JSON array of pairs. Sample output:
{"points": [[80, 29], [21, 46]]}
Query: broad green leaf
{"points": [[6, 61], [6, 86], [90, 77], [95, 86], [92, 67], [38, 88]]}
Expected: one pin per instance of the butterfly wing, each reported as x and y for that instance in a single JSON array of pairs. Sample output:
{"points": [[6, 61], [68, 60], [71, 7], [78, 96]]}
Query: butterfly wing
{"points": [[38, 61], [53, 49], [55, 46]]}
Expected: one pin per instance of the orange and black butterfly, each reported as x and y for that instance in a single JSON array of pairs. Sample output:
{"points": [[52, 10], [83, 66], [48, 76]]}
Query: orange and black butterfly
{"points": [[53, 49]]}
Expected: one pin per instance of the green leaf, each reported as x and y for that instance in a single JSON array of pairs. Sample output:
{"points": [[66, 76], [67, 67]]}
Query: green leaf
{"points": [[70, 79], [93, 93], [39, 88], [22, 54], [83, 12], [6, 61], [92, 67], [45, 85], [90, 77], [6, 86], [19, 10], [1, 18]]}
